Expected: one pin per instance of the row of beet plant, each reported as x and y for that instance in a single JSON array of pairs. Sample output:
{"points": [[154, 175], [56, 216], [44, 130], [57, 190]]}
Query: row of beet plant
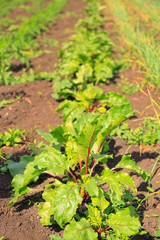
{"points": [[19, 44], [87, 198]]}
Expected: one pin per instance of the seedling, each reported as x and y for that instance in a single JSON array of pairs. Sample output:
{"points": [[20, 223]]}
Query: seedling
{"points": [[5, 102], [157, 233], [11, 138], [128, 87]]}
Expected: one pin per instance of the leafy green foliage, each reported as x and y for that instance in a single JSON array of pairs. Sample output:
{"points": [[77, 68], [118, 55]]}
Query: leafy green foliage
{"points": [[18, 43], [5, 102], [157, 233], [11, 138], [147, 134], [79, 146], [18, 167], [91, 99], [6, 8], [128, 87], [143, 46], [124, 221], [86, 58]]}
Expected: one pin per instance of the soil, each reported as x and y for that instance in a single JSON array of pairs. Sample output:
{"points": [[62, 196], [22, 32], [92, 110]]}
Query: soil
{"points": [[37, 108]]}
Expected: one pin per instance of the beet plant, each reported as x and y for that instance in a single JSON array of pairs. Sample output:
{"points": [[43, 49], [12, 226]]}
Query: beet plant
{"points": [[92, 99], [87, 204]]}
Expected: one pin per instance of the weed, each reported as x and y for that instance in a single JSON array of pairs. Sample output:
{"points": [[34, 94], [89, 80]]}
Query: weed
{"points": [[11, 138], [157, 233], [51, 42], [5, 102], [128, 87]]}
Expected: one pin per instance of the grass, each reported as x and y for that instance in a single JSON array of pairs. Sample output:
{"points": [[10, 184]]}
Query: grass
{"points": [[143, 47]]}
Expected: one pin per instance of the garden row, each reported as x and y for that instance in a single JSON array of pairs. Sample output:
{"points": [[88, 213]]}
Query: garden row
{"points": [[16, 12], [88, 205], [22, 45]]}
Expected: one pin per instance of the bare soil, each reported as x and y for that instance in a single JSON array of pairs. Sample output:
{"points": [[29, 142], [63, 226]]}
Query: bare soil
{"points": [[37, 108]]}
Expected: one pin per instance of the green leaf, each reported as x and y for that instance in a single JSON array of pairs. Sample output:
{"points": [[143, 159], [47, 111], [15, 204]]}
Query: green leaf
{"points": [[75, 150], [126, 180], [157, 233], [46, 208], [18, 167], [114, 99], [48, 137], [115, 186], [128, 163], [124, 222], [81, 230], [65, 203], [54, 237], [19, 187], [94, 216], [58, 135], [50, 160], [97, 194], [70, 109]]}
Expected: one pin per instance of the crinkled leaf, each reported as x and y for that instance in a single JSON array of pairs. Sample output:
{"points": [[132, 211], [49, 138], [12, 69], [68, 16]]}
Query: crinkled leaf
{"points": [[58, 135], [50, 160], [94, 216], [114, 99], [75, 151], [108, 122], [97, 194], [81, 230], [110, 178], [126, 180], [124, 222], [65, 203], [20, 182], [71, 109], [84, 71], [46, 208], [88, 139], [128, 163]]}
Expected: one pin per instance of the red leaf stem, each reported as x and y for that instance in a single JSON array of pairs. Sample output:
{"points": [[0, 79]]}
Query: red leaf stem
{"points": [[80, 163], [104, 229], [89, 152], [73, 176], [73, 172], [54, 176], [102, 144]]}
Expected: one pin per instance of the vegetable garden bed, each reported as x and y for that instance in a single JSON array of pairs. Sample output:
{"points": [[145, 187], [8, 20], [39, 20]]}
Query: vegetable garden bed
{"points": [[32, 105]]}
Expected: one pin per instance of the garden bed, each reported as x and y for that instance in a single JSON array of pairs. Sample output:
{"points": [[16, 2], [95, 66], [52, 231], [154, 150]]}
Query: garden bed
{"points": [[36, 107]]}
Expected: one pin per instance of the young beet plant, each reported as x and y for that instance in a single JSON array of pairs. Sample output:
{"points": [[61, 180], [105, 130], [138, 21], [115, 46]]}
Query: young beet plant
{"points": [[88, 205], [92, 99]]}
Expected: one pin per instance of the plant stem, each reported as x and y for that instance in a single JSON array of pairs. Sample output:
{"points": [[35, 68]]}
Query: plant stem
{"points": [[89, 152], [73, 172], [73, 177], [147, 198], [104, 229], [80, 163], [102, 143], [55, 176]]}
